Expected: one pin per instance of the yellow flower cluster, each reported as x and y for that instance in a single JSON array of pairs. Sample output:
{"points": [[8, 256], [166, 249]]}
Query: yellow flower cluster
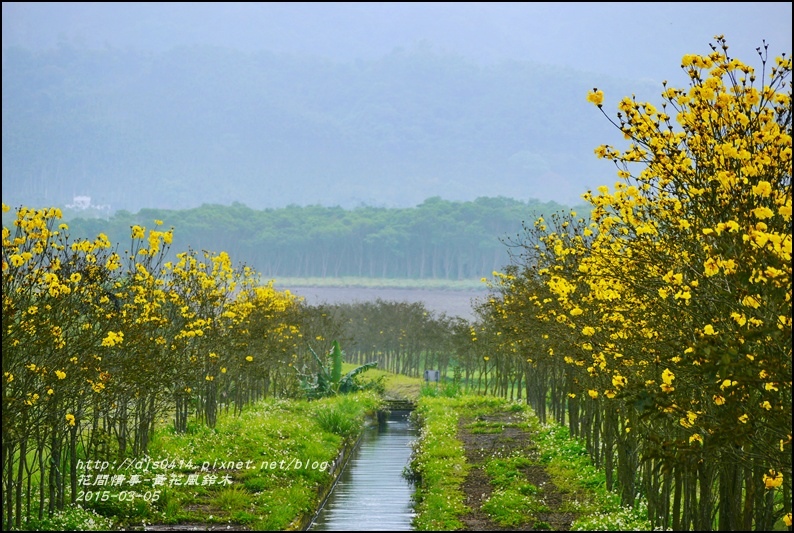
{"points": [[113, 338], [680, 280]]}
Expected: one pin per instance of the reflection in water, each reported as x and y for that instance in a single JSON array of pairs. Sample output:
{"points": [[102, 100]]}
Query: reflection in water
{"points": [[372, 493]]}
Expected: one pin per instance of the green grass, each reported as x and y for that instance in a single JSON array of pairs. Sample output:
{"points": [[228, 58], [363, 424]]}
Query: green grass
{"points": [[233, 499], [73, 518], [439, 462], [504, 472], [267, 465], [573, 473], [339, 419], [512, 508], [396, 386], [514, 501], [448, 389], [483, 426], [439, 465]]}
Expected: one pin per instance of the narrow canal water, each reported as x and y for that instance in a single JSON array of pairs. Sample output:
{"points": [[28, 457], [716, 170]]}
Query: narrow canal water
{"points": [[372, 494]]}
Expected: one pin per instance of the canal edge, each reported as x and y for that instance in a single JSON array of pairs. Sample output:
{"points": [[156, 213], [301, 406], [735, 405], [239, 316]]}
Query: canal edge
{"points": [[337, 468], [344, 455]]}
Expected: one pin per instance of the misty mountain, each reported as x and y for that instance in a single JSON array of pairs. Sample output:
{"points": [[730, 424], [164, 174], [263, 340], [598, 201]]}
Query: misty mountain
{"points": [[634, 41], [168, 104], [205, 124]]}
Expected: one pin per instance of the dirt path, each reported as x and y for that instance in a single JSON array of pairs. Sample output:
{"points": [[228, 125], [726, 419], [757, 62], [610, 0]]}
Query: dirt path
{"points": [[479, 448]]}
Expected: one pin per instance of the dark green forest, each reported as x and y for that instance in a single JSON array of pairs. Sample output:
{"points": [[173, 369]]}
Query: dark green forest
{"points": [[438, 239], [194, 125]]}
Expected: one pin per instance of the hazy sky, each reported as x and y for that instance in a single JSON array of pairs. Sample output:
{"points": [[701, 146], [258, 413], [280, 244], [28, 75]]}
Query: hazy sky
{"points": [[632, 40], [631, 45]]}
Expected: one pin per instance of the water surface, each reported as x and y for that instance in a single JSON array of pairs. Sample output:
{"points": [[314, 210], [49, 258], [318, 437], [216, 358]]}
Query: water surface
{"points": [[371, 493]]}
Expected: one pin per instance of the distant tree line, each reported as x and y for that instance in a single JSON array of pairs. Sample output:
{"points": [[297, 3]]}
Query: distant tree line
{"points": [[437, 239]]}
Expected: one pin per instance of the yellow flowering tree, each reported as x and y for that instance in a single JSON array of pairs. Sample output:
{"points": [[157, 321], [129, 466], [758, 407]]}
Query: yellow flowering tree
{"points": [[676, 297], [98, 345], [54, 309], [704, 231]]}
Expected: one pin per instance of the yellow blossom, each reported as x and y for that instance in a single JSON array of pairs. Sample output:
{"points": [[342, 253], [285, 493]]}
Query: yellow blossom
{"points": [[711, 267], [773, 480], [113, 338], [763, 213], [596, 97], [740, 319], [763, 188], [689, 420]]}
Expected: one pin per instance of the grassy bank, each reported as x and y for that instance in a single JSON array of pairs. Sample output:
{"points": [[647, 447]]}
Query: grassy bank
{"points": [[394, 386], [266, 469], [535, 475]]}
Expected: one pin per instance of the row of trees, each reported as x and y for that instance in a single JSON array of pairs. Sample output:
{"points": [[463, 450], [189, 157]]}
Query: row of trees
{"points": [[406, 338], [99, 347], [437, 239], [403, 337], [660, 330]]}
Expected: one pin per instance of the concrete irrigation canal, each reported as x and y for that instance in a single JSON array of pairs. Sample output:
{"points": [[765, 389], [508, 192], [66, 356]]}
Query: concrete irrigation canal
{"points": [[371, 493]]}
